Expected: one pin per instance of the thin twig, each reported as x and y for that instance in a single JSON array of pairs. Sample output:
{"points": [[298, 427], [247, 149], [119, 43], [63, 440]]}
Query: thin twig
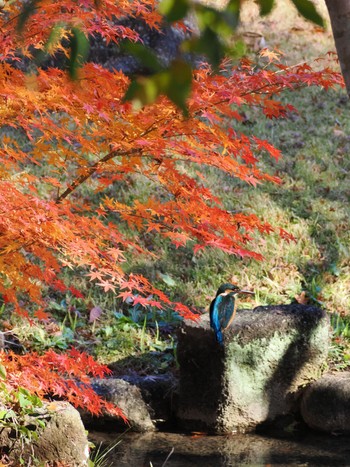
{"points": [[168, 457], [91, 170]]}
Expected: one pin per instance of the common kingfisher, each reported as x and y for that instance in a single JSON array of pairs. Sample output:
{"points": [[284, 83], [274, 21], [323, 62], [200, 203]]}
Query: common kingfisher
{"points": [[223, 309]]}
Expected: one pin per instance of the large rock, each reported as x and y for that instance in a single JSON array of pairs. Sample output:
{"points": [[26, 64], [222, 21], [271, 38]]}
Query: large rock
{"points": [[326, 403], [165, 44], [157, 392], [128, 398], [63, 440], [269, 354]]}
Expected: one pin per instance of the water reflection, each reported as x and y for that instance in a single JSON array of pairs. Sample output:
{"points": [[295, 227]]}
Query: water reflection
{"points": [[152, 449]]}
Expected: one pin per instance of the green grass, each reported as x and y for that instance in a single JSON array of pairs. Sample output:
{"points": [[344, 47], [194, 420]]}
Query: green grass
{"points": [[311, 203], [339, 352], [132, 338]]}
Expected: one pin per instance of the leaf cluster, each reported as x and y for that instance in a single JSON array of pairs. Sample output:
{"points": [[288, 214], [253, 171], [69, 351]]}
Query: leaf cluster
{"points": [[25, 378], [212, 29]]}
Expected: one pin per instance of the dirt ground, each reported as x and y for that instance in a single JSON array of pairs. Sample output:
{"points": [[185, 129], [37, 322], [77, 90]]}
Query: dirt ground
{"points": [[279, 29]]}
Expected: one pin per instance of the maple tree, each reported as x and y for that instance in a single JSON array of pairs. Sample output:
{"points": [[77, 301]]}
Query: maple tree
{"points": [[81, 132], [338, 12]]}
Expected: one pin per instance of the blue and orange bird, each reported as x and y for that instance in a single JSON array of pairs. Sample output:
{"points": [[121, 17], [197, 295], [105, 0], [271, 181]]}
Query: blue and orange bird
{"points": [[223, 309]]}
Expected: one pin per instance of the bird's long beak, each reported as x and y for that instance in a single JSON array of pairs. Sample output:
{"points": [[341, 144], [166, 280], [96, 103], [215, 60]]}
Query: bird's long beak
{"points": [[246, 292]]}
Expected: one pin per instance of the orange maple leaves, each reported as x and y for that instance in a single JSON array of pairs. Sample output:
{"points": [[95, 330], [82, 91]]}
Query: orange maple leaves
{"points": [[59, 375]]}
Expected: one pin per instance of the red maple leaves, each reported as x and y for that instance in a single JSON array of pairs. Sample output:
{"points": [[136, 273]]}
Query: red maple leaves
{"points": [[58, 375]]}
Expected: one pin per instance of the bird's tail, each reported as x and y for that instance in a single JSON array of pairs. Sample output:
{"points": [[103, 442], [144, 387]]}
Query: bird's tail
{"points": [[219, 337]]}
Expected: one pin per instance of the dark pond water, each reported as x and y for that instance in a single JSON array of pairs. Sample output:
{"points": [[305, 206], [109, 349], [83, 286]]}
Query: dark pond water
{"points": [[176, 450]]}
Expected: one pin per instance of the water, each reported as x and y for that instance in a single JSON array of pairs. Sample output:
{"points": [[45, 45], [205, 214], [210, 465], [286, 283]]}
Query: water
{"points": [[177, 450]]}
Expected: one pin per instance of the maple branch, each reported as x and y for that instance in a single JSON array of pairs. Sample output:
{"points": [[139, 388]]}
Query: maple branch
{"points": [[282, 87], [4, 252], [91, 170]]}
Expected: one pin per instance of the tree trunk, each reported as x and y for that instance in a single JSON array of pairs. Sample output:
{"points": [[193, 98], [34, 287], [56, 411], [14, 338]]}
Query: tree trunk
{"points": [[339, 13]]}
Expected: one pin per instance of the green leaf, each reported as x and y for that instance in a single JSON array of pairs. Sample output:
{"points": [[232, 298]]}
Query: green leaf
{"points": [[233, 6], [10, 414], [54, 36], [144, 54], [265, 6], [167, 279], [175, 83], [236, 50], [231, 13], [24, 398], [40, 423], [40, 55], [79, 49], [27, 10], [174, 10], [142, 91], [180, 83], [3, 372], [221, 22], [208, 44], [307, 9]]}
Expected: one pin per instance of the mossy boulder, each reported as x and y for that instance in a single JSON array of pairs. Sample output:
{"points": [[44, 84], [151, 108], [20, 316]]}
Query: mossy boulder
{"points": [[129, 399], [61, 441], [326, 404], [269, 354]]}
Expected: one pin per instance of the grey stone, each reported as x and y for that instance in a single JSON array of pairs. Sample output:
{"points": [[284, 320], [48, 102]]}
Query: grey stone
{"points": [[269, 354], [128, 398], [157, 392], [325, 404], [63, 440], [165, 43]]}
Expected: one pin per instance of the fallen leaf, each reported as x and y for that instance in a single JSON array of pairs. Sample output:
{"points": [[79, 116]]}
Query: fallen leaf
{"points": [[303, 299], [95, 313]]}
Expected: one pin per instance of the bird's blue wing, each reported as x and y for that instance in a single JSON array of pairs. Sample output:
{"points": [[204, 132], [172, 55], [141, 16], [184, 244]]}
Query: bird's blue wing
{"points": [[215, 318], [226, 308]]}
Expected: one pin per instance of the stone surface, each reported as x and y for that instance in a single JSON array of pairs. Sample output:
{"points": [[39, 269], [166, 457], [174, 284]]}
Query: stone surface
{"points": [[63, 440], [325, 404], [157, 392], [128, 398], [164, 43], [269, 354]]}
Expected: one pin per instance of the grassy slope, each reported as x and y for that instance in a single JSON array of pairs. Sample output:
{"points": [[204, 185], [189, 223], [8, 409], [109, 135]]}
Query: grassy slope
{"points": [[312, 202]]}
